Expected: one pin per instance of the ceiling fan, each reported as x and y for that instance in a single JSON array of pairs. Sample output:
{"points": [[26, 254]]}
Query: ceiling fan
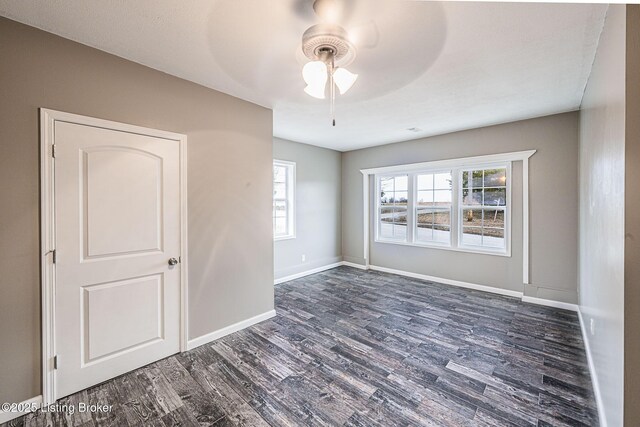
{"points": [[328, 47]]}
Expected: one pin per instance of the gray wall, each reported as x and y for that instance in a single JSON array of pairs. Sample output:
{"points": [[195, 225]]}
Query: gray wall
{"points": [[553, 218], [229, 152], [602, 178], [632, 225], [318, 219]]}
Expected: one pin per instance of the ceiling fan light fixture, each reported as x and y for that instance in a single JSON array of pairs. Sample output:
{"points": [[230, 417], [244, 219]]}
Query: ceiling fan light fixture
{"points": [[315, 75], [344, 79], [328, 47]]}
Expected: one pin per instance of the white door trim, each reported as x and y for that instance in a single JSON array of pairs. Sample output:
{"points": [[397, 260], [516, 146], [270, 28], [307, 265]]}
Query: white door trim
{"points": [[47, 230]]}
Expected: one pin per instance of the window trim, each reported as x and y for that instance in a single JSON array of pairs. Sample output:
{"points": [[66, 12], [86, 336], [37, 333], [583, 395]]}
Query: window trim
{"points": [[458, 163], [513, 156], [290, 200]]}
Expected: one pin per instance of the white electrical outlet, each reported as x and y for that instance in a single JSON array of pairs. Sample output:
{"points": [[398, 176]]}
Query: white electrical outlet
{"points": [[592, 326], [304, 258]]}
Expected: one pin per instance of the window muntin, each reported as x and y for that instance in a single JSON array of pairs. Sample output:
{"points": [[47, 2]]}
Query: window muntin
{"points": [[483, 209], [434, 194], [392, 207], [462, 208], [283, 199]]}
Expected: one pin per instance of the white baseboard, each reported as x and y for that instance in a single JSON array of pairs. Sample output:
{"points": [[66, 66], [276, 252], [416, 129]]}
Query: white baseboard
{"points": [[592, 371], [205, 339], [8, 416], [451, 282], [354, 265], [550, 303], [307, 273]]}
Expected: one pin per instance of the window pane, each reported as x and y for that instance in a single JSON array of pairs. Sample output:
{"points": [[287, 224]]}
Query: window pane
{"points": [[401, 183], [393, 223], [283, 202], [424, 233], [386, 228], [495, 177], [400, 231], [279, 174], [279, 209], [424, 216], [425, 182], [494, 218], [386, 185], [386, 215], [280, 226], [472, 217], [442, 217], [400, 198], [442, 198], [472, 197], [385, 210], [476, 179], [425, 197], [493, 238], [442, 181], [433, 225], [279, 190], [400, 215], [442, 234], [472, 236], [495, 197]]}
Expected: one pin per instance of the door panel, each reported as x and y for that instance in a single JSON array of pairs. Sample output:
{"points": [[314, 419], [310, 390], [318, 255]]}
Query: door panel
{"points": [[109, 229], [139, 305], [117, 219]]}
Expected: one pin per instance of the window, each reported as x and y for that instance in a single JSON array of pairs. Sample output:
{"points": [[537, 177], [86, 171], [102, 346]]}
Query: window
{"points": [[483, 207], [433, 207], [461, 208], [392, 209], [284, 178]]}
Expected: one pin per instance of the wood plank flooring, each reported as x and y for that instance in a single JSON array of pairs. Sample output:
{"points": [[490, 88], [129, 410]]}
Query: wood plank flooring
{"points": [[357, 348]]}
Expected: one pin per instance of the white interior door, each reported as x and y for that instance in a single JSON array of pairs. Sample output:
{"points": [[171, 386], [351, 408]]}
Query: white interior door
{"points": [[117, 225]]}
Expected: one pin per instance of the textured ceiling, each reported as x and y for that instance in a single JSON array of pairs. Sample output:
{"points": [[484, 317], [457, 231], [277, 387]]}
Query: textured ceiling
{"points": [[438, 67]]}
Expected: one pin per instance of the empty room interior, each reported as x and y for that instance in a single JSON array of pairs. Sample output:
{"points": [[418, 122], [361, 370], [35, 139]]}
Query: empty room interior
{"points": [[319, 212]]}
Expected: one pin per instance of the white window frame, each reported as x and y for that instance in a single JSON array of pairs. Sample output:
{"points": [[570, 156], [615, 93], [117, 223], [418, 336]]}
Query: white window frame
{"points": [[378, 207], [414, 223], [456, 168], [290, 200], [507, 211]]}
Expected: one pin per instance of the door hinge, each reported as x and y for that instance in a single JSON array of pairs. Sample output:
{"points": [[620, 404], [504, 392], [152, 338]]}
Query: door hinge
{"points": [[53, 150], [55, 362], [53, 256]]}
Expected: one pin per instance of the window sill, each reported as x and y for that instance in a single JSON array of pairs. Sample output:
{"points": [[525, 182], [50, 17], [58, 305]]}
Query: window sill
{"points": [[447, 248]]}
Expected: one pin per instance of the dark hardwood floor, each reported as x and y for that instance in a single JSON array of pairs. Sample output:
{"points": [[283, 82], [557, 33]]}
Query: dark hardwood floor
{"points": [[357, 348]]}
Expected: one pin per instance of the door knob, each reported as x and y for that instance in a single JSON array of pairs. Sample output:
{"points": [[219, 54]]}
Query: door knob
{"points": [[173, 261]]}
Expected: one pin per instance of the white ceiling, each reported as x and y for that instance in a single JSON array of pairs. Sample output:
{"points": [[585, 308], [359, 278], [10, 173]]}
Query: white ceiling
{"points": [[436, 66]]}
